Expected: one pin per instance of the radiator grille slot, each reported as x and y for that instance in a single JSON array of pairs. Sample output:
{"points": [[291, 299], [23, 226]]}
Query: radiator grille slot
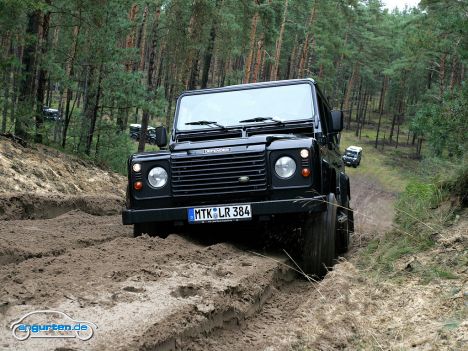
{"points": [[218, 174]]}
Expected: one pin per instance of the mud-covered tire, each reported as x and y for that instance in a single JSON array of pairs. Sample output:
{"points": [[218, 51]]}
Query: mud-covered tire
{"points": [[159, 229], [344, 230], [318, 240]]}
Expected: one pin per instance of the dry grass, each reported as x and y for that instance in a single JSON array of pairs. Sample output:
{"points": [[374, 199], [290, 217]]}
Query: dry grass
{"points": [[356, 310]]}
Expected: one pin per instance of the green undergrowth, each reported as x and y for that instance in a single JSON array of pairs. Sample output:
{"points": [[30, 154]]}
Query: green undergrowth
{"points": [[426, 211]]}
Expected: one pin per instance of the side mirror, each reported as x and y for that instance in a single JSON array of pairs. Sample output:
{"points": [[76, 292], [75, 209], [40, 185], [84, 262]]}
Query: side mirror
{"points": [[161, 136], [337, 121]]}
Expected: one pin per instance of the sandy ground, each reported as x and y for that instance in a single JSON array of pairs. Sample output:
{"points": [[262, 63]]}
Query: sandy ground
{"points": [[221, 292], [42, 170]]}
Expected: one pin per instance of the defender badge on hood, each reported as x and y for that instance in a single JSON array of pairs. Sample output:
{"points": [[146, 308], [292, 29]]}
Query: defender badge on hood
{"points": [[217, 150]]}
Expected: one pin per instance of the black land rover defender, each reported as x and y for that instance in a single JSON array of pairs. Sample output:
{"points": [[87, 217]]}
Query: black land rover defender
{"points": [[263, 152]]}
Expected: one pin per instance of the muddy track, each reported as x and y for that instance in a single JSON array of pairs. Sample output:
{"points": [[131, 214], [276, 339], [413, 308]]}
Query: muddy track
{"points": [[146, 293]]}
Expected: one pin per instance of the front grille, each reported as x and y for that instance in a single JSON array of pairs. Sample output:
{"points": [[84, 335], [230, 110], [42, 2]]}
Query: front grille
{"points": [[218, 174]]}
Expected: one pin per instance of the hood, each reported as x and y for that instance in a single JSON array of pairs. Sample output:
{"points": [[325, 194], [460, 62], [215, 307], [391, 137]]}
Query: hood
{"points": [[265, 140]]}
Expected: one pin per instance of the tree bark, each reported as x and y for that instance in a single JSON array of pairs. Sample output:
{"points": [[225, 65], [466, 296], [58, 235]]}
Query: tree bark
{"points": [[25, 98], [42, 76], [381, 108], [253, 34], [279, 44], [94, 112], [442, 75], [70, 72], [305, 48], [208, 57], [258, 60], [6, 93], [349, 90], [150, 82]]}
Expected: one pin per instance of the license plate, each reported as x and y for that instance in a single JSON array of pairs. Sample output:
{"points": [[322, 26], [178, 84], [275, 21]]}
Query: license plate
{"points": [[219, 214]]}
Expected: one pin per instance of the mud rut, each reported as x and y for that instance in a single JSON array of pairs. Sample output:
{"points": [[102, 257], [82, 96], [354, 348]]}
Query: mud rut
{"points": [[193, 293]]}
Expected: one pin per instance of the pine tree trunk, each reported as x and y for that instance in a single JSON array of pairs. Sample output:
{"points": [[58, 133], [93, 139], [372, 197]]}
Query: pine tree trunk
{"points": [[42, 76], [70, 72], [279, 44], [193, 76], [442, 76], [292, 60], [349, 91], [94, 112], [49, 92], [141, 43], [453, 73], [87, 100], [28, 77], [358, 109], [392, 129], [305, 48], [364, 112], [6, 93], [130, 39], [381, 108], [150, 81], [258, 60], [208, 57], [253, 34]]}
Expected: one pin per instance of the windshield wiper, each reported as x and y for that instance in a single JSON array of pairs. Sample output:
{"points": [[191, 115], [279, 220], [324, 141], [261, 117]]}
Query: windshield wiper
{"points": [[262, 119], [205, 123]]}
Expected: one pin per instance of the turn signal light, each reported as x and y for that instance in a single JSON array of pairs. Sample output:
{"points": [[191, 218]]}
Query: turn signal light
{"points": [[138, 185], [305, 172]]}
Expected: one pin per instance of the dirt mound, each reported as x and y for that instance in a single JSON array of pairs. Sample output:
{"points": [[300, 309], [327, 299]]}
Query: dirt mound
{"points": [[42, 170], [36, 206]]}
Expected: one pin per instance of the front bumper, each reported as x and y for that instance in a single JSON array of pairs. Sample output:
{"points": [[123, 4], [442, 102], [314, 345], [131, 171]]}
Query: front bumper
{"points": [[263, 208], [350, 162]]}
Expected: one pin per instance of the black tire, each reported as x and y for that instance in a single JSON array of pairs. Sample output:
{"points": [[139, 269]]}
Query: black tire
{"points": [[318, 240], [344, 229], [160, 229]]}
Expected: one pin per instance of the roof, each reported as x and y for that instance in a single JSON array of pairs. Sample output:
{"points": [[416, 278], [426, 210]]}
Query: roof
{"points": [[354, 148], [249, 85], [139, 126]]}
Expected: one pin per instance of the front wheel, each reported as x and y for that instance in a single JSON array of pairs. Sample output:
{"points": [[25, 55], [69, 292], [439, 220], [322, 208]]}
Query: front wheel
{"points": [[160, 229], [318, 240]]}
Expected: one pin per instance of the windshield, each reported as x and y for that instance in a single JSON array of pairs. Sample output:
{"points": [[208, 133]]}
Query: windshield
{"points": [[351, 153], [229, 108]]}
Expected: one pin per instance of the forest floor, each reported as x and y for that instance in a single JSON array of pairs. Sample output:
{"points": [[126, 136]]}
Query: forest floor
{"points": [[221, 292]]}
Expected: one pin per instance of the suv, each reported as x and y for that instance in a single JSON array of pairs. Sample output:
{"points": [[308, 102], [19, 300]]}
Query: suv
{"points": [[259, 153], [135, 131], [352, 156], [51, 114]]}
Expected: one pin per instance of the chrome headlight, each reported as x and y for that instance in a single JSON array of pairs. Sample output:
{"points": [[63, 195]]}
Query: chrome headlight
{"points": [[285, 167], [157, 177]]}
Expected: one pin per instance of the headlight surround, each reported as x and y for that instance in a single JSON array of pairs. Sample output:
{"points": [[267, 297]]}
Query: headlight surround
{"points": [[285, 167], [157, 177]]}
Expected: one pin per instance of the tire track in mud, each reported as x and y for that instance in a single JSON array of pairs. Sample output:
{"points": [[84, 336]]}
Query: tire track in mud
{"points": [[167, 288], [26, 239], [148, 293], [262, 328], [227, 312]]}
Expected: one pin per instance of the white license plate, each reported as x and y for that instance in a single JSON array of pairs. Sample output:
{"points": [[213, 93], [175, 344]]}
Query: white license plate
{"points": [[219, 213]]}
